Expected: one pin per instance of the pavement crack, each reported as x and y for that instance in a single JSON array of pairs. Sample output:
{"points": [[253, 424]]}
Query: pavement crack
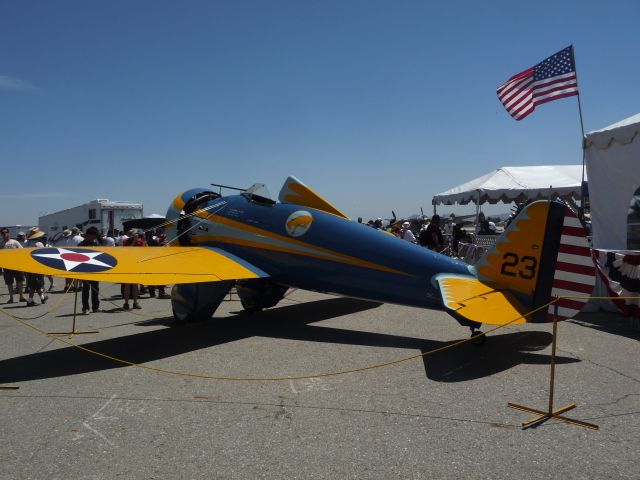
{"points": [[592, 362], [616, 401]]}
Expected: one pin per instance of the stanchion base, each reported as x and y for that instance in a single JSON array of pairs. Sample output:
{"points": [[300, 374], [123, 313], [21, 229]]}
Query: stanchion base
{"points": [[74, 333], [554, 414]]}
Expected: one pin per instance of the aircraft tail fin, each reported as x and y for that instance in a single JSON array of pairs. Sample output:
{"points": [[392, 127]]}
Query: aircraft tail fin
{"points": [[294, 191], [543, 253]]}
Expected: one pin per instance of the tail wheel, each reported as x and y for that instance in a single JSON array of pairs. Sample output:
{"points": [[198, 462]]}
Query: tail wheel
{"points": [[478, 338]]}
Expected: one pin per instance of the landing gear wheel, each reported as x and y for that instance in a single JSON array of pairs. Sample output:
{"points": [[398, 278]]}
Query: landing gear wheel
{"points": [[478, 338], [250, 307]]}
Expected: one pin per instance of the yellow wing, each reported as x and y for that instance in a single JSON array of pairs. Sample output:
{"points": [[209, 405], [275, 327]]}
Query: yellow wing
{"points": [[480, 302], [145, 265]]}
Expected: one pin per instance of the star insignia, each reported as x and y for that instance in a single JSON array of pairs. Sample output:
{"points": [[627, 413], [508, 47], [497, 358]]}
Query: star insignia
{"points": [[74, 259]]}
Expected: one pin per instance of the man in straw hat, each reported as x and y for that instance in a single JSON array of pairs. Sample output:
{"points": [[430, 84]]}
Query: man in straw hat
{"points": [[35, 282]]}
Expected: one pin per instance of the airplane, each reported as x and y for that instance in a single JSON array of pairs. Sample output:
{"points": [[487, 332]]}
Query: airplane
{"points": [[263, 247]]}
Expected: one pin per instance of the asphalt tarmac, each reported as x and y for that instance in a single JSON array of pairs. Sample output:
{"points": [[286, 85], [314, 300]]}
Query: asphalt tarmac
{"points": [[77, 415]]}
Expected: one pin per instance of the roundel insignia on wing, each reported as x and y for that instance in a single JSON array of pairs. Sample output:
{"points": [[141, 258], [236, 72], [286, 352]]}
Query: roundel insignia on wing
{"points": [[298, 223], [74, 259]]}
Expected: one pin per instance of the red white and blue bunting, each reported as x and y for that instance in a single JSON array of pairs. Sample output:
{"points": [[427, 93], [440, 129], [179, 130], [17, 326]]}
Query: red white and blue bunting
{"points": [[620, 272]]}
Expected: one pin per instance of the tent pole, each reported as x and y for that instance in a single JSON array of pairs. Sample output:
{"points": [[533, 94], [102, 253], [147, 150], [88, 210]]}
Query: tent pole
{"points": [[583, 139], [477, 213]]}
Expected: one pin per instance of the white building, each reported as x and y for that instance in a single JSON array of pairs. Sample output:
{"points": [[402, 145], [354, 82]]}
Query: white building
{"points": [[100, 213]]}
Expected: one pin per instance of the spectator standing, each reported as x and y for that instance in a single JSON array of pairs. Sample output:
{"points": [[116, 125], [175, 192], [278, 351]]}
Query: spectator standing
{"points": [[45, 242], [448, 226], [157, 240], [458, 235], [432, 236], [132, 290], [90, 240], [35, 282], [76, 237], [124, 238], [90, 286], [108, 240], [64, 240], [406, 233], [67, 241], [11, 276], [22, 239]]}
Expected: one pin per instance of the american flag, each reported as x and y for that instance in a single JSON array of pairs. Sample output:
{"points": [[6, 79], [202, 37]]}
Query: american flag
{"points": [[551, 79]]}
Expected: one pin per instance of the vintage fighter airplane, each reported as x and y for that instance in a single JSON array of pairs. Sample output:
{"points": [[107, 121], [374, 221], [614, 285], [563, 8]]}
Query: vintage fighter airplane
{"points": [[264, 247]]}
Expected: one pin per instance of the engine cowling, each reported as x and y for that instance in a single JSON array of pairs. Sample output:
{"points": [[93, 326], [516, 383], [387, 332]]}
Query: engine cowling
{"points": [[179, 214]]}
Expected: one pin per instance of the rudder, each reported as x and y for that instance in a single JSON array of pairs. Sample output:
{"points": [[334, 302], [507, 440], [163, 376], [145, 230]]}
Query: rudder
{"points": [[543, 253]]}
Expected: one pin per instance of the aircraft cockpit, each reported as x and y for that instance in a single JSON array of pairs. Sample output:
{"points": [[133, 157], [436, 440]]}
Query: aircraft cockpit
{"points": [[259, 193]]}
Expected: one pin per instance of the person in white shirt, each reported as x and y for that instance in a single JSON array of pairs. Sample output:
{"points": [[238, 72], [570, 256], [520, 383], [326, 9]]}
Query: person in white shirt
{"points": [[124, 238], [76, 238], [407, 234], [65, 239], [108, 240], [22, 239], [448, 226], [11, 275]]}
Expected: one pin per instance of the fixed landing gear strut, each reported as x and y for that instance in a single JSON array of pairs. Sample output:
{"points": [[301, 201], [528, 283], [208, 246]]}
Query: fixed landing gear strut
{"points": [[478, 338]]}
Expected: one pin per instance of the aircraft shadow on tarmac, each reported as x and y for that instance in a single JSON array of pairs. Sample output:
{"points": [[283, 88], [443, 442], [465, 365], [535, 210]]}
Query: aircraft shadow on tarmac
{"points": [[613, 323], [294, 322]]}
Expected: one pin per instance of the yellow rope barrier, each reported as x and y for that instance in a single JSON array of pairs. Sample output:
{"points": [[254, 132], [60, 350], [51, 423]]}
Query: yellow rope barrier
{"points": [[272, 379], [299, 377], [51, 310]]}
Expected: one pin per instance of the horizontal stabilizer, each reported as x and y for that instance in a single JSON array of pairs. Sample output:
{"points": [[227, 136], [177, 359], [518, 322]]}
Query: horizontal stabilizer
{"points": [[144, 265], [468, 297]]}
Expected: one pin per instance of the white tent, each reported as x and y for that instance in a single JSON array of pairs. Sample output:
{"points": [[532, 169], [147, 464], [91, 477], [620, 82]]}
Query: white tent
{"points": [[612, 157], [509, 184]]}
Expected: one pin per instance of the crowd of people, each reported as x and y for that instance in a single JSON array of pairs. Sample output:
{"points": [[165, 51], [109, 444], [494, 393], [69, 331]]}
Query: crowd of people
{"points": [[28, 286], [434, 233], [426, 232]]}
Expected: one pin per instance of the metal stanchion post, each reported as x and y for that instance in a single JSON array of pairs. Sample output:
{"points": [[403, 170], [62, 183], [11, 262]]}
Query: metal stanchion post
{"points": [[73, 328], [551, 413]]}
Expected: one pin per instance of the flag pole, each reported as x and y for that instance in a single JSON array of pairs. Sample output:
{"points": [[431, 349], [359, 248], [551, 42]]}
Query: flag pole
{"points": [[583, 140]]}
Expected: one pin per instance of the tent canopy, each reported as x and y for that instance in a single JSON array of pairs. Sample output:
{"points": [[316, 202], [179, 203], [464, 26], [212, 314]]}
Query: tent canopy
{"points": [[612, 157], [510, 184], [622, 132]]}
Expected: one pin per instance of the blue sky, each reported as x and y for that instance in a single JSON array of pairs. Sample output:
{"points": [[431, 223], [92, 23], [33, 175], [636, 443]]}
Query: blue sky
{"points": [[377, 105]]}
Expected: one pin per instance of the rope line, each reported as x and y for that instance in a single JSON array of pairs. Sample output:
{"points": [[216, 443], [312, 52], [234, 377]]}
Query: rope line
{"points": [[51, 310], [281, 378]]}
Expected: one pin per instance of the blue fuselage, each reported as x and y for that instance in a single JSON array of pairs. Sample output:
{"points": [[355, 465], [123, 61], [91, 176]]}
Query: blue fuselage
{"points": [[313, 250]]}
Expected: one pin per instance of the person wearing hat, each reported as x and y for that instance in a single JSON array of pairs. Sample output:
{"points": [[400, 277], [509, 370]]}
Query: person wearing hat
{"points": [[35, 282], [63, 241], [66, 241], [76, 238], [22, 239], [406, 233], [432, 236], [11, 275]]}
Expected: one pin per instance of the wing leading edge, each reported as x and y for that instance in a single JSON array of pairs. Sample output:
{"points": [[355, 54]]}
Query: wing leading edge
{"points": [[145, 265]]}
